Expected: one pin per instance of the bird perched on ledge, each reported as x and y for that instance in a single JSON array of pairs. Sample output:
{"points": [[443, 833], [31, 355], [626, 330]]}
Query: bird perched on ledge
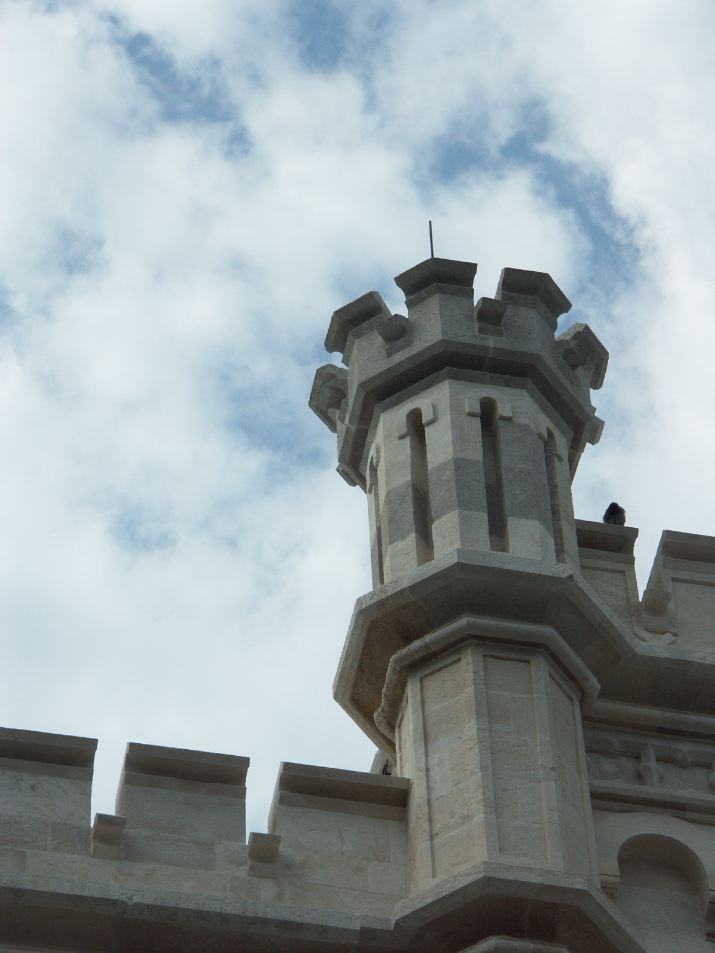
{"points": [[615, 515]]}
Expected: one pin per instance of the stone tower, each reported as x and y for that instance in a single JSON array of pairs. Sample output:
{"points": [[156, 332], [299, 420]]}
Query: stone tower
{"points": [[468, 661], [483, 643]]}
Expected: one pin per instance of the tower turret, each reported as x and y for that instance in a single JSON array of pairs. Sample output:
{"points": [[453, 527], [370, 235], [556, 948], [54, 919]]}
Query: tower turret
{"points": [[469, 660], [463, 424]]}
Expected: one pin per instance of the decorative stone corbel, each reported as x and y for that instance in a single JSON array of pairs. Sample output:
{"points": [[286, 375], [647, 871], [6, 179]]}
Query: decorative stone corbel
{"points": [[330, 389], [658, 609], [583, 352]]}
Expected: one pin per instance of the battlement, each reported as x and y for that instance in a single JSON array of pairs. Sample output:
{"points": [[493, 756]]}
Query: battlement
{"points": [[45, 791], [678, 605], [336, 838], [511, 334]]}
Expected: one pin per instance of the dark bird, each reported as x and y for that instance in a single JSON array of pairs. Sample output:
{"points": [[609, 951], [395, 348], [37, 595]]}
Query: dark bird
{"points": [[615, 515]]}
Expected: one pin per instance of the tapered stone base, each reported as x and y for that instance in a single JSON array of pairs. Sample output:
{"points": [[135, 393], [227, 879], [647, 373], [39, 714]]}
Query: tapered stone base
{"points": [[490, 735]]}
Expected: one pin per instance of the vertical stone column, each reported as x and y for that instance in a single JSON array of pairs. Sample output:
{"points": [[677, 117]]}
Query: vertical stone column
{"points": [[490, 734], [456, 472], [392, 457], [559, 480]]}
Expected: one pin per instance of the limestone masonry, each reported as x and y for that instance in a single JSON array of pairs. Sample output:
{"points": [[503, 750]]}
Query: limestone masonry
{"points": [[545, 775]]}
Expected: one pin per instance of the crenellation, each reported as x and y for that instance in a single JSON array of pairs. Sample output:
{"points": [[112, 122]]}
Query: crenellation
{"points": [[354, 319], [607, 562], [533, 289], [45, 791], [679, 599], [443, 330], [178, 804], [678, 604]]}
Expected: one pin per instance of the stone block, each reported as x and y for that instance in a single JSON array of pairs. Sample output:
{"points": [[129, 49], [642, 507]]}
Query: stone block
{"points": [[108, 835], [23, 832], [263, 847], [188, 794], [12, 861], [152, 846], [45, 790], [263, 854], [69, 838], [230, 855], [607, 563], [333, 824]]}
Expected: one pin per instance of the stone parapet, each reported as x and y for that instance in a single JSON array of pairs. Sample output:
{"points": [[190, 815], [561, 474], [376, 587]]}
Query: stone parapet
{"points": [[355, 818], [679, 600], [678, 604], [45, 791], [607, 563], [181, 806]]}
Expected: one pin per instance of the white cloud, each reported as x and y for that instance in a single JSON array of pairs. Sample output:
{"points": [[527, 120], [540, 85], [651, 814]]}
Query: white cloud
{"points": [[179, 561]]}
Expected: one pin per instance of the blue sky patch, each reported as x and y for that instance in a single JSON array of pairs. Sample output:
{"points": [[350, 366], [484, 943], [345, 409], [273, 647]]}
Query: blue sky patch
{"points": [[320, 30], [197, 95], [140, 531]]}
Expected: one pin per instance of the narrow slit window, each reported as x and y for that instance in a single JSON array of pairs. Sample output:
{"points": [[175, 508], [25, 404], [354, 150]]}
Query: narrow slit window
{"points": [[552, 477], [421, 505], [493, 479], [378, 567]]}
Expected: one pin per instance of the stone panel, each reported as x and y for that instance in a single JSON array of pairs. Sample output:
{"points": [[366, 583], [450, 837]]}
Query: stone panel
{"points": [[491, 738], [514, 743]]}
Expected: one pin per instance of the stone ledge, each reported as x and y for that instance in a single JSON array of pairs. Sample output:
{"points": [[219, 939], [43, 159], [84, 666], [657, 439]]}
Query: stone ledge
{"points": [[478, 905], [185, 764], [461, 583], [691, 547], [605, 538], [339, 784], [505, 944], [636, 797], [475, 628], [448, 274], [43, 747], [493, 898]]}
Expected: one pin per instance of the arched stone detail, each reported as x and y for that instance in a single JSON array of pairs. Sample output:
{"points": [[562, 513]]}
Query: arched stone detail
{"points": [[504, 406], [668, 840], [613, 831], [427, 408]]}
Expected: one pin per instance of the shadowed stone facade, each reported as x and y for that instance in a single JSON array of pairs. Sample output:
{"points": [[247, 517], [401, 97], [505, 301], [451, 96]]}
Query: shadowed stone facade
{"points": [[545, 775]]}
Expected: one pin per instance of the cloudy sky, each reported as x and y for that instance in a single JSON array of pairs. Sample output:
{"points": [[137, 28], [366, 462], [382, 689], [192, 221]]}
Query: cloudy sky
{"points": [[188, 189]]}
